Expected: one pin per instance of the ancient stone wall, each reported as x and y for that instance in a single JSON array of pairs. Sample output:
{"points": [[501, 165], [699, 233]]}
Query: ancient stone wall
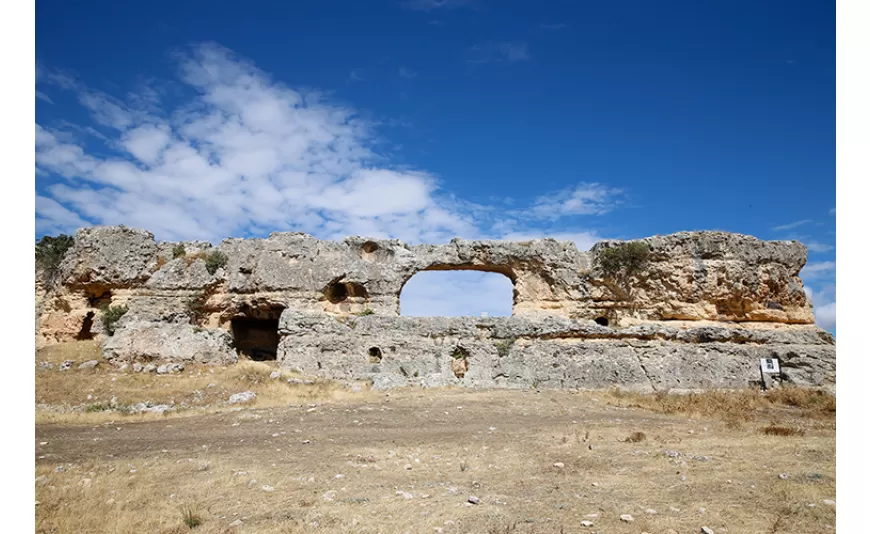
{"points": [[699, 313]]}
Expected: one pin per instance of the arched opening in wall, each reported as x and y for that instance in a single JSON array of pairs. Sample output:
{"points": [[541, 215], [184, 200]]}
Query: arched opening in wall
{"points": [[255, 332], [457, 293], [603, 321], [85, 332]]}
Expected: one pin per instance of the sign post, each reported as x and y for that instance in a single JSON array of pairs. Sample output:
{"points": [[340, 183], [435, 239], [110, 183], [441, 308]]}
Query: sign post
{"points": [[769, 372]]}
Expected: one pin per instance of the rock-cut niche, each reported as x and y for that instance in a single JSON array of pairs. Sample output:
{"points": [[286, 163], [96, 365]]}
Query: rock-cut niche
{"points": [[255, 332]]}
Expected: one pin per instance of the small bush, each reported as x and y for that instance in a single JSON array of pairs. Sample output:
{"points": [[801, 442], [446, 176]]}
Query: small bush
{"points": [[178, 251], [367, 311], [196, 308], [50, 252], [635, 437], [97, 407], [625, 259], [777, 430], [215, 260], [111, 315], [190, 517], [503, 346]]}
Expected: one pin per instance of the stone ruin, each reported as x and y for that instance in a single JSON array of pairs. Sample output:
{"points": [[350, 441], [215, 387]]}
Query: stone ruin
{"points": [[701, 313]]}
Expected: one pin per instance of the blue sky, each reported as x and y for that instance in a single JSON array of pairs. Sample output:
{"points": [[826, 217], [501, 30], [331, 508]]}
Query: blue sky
{"points": [[429, 119]]}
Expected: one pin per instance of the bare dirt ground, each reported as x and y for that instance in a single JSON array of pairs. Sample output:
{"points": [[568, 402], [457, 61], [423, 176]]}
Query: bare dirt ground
{"points": [[409, 461]]}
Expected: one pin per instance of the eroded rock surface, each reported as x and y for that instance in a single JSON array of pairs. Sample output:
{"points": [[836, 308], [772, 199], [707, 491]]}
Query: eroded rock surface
{"points": [[700, 313]]}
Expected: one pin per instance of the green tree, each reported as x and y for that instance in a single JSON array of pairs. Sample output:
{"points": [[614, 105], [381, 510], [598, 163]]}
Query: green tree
{"points": [[50, 252]]}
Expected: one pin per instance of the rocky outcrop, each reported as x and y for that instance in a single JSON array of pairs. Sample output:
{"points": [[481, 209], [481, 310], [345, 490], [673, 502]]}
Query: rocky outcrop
{"points": [[699, 312]]}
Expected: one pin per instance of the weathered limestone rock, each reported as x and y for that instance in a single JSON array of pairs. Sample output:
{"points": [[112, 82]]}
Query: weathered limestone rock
{"points": [[142, 340], [699, 314]]}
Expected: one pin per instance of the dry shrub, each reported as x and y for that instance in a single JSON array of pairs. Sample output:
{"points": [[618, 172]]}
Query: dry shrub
{"points": [[735, 407], [635, 437], [780, 430], [189, 259]]}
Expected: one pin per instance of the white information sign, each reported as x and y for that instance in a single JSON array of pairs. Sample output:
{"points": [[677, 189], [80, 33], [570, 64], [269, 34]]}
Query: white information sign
{"points": [[769, 365]]}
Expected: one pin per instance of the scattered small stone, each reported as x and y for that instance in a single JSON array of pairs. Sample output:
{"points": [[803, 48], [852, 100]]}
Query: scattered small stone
{"points": [[702, 510], [339, 476], [783, 476], [672, 454], [707, 530], [829, 502], [138, 367], [110, 502], [587, 523], [60, 469], [150, 368], [674, 509], [595, 484], [626, 517], [267, 488], [407, 467], [236, 523], [245, 396], [404, 494], [650, 511], [592, 516], [559, 465], [90, 364], [45, 365], [123, 367], [473, 500], [329, 495], [275, 374], [168, 368], [702, 458], [66, 365]]}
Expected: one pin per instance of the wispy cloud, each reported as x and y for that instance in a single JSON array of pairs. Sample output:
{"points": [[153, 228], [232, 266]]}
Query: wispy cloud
{"points": [[42, 96], [557, 26], [498, 53], [814, 246], [582, 199], [817, 269], [405, 72], [824, 306], [430, 5], [833, 211], [356, 75], [247, 155], [791, 226]]}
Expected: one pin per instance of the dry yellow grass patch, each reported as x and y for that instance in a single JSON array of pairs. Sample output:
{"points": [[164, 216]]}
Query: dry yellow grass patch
{"points": [[530, 465], [85, 396]]}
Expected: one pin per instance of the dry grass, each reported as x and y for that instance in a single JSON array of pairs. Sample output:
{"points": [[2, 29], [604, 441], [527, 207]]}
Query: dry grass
{"points": [[407, 461], [402, 471], [735, 407], [778, 430], [86, 396]]}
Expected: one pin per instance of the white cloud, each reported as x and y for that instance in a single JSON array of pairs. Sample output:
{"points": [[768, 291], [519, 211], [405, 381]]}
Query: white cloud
{"points": [[826, 316], [457, 293], [817, 269], [814, 246], [492, 52], [430, 5], [583, 199], [405, 72], [791, 226], [248, 155], [42, 96], [557, 26]]}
